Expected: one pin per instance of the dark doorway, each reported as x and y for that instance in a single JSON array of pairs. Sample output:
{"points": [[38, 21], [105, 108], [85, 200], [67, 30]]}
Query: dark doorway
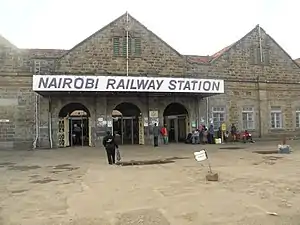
{"points": [[126, 119], [176, 118], [74, 125]]}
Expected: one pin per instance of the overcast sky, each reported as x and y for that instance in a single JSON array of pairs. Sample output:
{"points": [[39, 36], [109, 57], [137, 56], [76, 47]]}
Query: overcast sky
{"points": [[199, 27]]}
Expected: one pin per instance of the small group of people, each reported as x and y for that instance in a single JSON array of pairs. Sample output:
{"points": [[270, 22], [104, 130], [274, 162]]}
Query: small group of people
{"points": [[235, 135], [157, 132], [202, 135]]}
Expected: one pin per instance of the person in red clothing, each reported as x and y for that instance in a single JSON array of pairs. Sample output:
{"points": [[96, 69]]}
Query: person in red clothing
{"points": [[247, 136], [164, 133]]}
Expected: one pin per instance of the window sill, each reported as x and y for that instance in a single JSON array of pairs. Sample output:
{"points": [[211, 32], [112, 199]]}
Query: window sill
{"points": [[277, 129], [129, 57]]}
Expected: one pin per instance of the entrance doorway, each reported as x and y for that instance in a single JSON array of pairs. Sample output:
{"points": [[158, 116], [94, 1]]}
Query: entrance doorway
{"points": [[176, 120], [74, 126], [127, 120]]}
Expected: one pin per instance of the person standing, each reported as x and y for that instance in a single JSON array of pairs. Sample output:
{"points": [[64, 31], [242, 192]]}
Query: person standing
{"points": [[233, 132], [78, 134], [164, 133], [155, 134], [211, 133], [110, 147]]}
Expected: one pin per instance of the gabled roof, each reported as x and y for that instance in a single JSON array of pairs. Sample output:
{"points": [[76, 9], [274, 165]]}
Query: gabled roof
{"points": [[114, 21], [226, 49], [6, 43], [297, 61], [44, 53], [198, 59]]}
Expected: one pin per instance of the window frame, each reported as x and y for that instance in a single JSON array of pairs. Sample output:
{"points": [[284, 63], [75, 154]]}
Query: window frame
{"points": [[137, 46], [218, 110], [248, 110], [297, 117], [114, 52], [275, 111]]}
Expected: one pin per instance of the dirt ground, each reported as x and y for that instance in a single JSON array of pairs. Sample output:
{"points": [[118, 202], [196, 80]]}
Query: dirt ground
{"points": [[76, 186]]}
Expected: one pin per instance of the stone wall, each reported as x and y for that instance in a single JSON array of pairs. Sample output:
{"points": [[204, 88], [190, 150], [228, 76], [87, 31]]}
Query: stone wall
{"points": [[274, 82], [16, 112], [95, 54]]}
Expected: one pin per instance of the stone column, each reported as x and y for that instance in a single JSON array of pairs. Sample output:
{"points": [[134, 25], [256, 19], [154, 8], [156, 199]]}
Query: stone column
{"points": [[203, 111], [102, 115], [263, 110], [44, 141]]}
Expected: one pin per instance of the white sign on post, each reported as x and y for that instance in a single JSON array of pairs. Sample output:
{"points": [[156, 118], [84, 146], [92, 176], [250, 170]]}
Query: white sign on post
{"points": [[200, 156]]}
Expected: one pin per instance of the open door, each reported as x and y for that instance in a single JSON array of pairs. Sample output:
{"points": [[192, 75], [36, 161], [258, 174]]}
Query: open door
{"points": [[66, 132], [141, 131], [90, 132], [61, 133]]}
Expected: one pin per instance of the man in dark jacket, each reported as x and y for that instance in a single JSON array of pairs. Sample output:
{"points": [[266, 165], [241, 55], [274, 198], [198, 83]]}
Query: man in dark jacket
{"points": [[155, 134], [110, 147]]}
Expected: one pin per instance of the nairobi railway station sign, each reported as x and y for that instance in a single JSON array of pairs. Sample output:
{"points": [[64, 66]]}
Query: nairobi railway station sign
{"points": [[126, 84]]}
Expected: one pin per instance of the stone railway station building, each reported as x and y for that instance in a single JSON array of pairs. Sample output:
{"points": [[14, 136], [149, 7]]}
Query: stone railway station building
{"points": [[124, 78]]}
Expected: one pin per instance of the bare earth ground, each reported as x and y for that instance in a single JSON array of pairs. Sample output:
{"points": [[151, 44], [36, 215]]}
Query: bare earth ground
{"points": [[76, 186]]}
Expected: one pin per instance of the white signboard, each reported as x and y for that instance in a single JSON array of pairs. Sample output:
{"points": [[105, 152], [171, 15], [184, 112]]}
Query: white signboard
{"points": [[126, 84], [200, 156], [153, 114]]}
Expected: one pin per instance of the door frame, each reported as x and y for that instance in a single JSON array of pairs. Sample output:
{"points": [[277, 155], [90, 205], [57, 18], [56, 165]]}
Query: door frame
{"points": [[176, 124], [124, 118]]}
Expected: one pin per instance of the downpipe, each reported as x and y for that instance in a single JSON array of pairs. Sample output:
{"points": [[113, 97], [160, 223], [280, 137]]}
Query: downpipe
{"points": [[50, 122], [37, 132], [207, 113]]}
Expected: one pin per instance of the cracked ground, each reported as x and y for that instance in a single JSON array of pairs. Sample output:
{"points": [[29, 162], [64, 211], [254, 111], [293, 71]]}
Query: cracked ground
{"points": [[75, 186]]}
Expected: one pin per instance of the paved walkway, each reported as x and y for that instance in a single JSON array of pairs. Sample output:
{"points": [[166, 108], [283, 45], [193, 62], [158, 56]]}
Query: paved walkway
{"points": [[76, 186]]}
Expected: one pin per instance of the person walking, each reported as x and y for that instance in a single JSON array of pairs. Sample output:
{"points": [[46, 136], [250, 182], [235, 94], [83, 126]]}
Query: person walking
{"points": [[110, 146], [155, 134]]}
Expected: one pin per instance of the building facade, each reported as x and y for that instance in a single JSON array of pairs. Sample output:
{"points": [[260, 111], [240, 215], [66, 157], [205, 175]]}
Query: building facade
{"points": [[261, 90]]}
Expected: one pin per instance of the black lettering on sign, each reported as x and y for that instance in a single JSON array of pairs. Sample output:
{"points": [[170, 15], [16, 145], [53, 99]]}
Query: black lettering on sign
{"points": [[180, 84], [159, 83], [216, 86], [199, 85], [193, 84], [78, 83], [60, 80], [206, 85], [121, 84], [187, 86], [96, 85], [89, 83], [172, 85], [110, 83], [142, 84], [67, 82], [43, 83], [52, 83], [151, 85], [132, 87], [128, 84]]}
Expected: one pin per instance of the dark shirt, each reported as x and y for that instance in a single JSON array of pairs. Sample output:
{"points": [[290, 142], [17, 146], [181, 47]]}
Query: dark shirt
{"points": [[109, 142], [156, 131]]}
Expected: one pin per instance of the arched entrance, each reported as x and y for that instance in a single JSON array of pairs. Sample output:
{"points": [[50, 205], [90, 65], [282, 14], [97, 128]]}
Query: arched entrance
{"points": [[176, 120], [127, 120], [74, 126]]}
